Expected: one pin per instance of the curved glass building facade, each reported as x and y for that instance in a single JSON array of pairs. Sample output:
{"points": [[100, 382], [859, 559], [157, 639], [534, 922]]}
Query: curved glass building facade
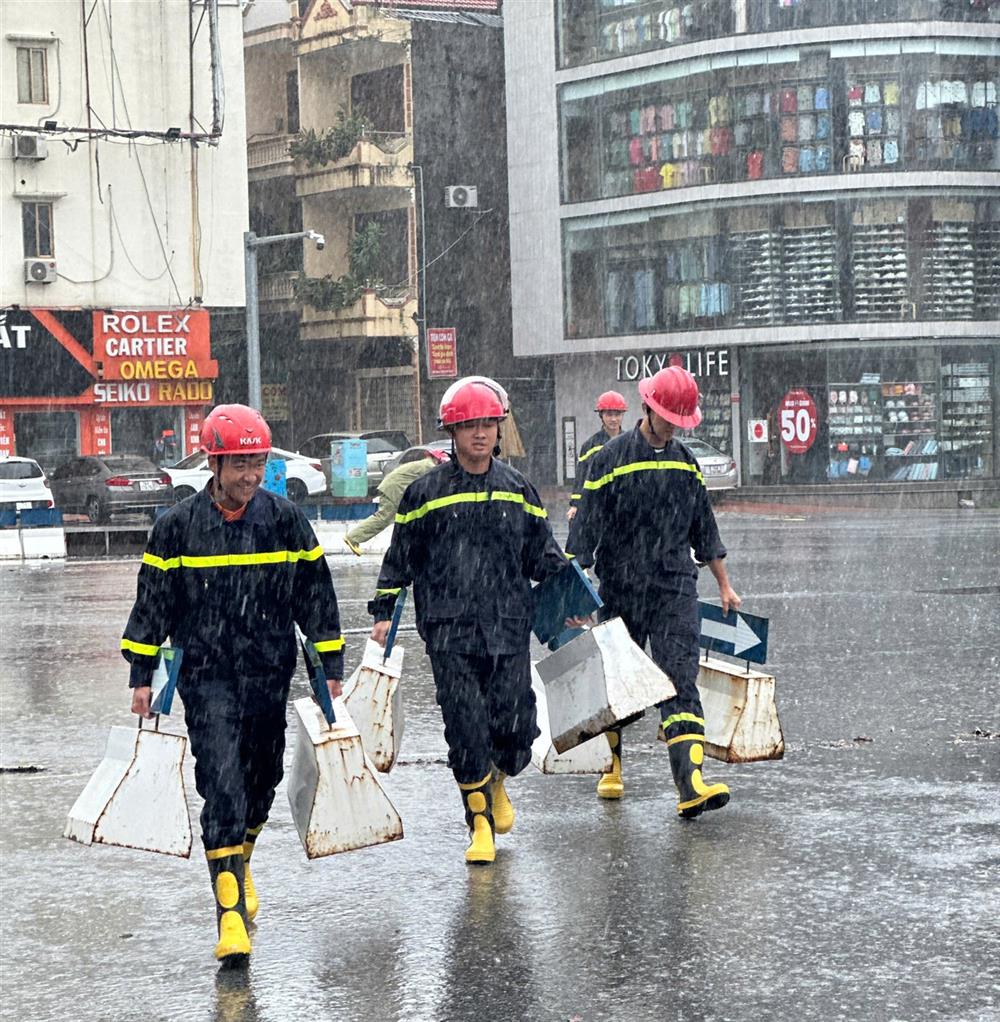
{"points": [[784, 207]]}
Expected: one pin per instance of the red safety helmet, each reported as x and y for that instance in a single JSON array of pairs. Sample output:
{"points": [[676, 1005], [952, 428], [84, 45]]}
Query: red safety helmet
{"points": [[611, 401], [673, 394], [235, 429], [475, 397]]}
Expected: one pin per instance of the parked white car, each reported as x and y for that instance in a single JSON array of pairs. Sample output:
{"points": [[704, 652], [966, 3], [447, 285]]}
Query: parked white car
{"points": [[304, 477], [23, 485]]}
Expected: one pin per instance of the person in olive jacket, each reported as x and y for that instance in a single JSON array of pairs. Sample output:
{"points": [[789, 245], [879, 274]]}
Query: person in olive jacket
{"points": [[412, 465], [227, 574]]}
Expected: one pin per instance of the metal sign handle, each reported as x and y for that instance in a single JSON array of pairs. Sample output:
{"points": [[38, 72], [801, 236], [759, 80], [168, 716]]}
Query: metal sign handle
{"points": [[397, 614]]}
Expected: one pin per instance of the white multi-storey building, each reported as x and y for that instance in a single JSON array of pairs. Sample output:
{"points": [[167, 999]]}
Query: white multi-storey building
{"points": [[123, 147], [798, 199]]}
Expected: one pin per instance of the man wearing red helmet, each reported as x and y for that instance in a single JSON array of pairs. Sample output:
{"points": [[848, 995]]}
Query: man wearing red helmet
{"points": [[644, 509], [226, 576], [610, 407], [470, 536]]}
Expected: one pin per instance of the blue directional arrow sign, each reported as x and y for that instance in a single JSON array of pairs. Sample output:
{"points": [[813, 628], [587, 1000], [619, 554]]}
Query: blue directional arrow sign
{"points": [[735, 634]]}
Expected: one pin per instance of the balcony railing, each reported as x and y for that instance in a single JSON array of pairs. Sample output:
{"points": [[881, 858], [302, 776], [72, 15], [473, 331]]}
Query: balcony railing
{"points": [[268, 156], [380, 159], [387, 313], [275, 288]]}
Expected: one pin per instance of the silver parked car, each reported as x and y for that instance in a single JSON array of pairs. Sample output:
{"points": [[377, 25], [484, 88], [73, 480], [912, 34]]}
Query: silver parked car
{"points": [[112, 483], [718, 469]]}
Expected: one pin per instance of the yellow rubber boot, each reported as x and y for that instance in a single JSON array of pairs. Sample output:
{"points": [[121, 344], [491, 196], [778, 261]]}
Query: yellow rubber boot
{"points": [[249, 890], [686, 745], [478, 798], [503, 808], [611, 785], [225, 865]]}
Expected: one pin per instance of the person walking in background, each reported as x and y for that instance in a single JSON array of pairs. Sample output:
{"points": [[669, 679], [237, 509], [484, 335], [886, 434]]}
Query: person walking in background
{"points": [[611, 408], [227, 575], [644, 509], [412, 465]]}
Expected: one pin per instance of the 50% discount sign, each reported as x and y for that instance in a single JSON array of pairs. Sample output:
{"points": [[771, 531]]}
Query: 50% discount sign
{"points": [[797, 421]]}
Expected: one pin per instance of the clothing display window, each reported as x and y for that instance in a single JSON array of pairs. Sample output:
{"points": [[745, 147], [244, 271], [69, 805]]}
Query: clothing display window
{"points": [[955, 122], [693, 288], [879, 261], [804, 128], [909, 430], [627, 26], [874, 122], [855, 431], [810, 281], [966, 420]]}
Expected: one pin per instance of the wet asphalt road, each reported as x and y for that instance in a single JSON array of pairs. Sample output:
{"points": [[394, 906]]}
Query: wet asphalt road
{"points": [[853, 880]]}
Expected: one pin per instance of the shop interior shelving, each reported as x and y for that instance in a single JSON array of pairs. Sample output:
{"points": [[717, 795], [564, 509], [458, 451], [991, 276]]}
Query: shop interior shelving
{"points": [[966, 419], [910, 430], [949, 271], [855, 431], [880, 270]]}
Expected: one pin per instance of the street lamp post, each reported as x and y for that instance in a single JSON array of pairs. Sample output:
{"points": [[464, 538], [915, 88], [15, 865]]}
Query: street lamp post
{"points": [[250, 245]]}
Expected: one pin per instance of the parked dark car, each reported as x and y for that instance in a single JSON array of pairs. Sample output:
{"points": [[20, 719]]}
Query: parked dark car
{"points": [[384, 445], [114, 483]]}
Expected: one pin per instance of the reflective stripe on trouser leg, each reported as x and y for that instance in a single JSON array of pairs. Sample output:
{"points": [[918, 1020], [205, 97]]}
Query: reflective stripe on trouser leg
{"points": [[488, 709]]}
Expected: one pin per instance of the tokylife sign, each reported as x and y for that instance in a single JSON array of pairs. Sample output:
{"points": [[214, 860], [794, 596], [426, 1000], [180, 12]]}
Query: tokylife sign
{"points": [[735, 634]]}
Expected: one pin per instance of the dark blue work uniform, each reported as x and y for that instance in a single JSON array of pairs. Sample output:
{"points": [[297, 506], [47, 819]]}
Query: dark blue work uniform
{"points": [[585, 463], [470, 545], [228, 595], [642, 513]]}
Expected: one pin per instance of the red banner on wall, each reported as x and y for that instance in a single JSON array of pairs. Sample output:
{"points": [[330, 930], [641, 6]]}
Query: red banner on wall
{"points": [[6, 432], [442, 353]]}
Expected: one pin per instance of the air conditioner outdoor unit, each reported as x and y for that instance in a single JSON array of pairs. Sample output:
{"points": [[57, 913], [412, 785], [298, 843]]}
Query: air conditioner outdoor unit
{"points": [[461, 197], [40, 271], [30, 147]]}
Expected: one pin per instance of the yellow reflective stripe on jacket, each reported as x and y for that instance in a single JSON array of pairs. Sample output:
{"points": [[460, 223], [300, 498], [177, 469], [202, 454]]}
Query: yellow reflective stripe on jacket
{"points": [[141, 648], [164, 564], [587, 454], [388, 592], [643, 466], [329, 646], [478, 497], [233, 560]]}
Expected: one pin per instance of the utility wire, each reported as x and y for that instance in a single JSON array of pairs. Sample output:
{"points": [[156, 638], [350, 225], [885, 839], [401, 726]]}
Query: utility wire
{"points": [[430, 262]]}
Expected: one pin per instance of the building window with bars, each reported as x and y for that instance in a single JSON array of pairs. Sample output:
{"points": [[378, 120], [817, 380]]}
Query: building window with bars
{"points": [[32, 75], [36, 222]]}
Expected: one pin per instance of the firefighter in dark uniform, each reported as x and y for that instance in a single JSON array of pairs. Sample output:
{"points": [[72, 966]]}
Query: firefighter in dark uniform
{"points": [[470, 535], [610, 407], [644, 510], [226, 576]]}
